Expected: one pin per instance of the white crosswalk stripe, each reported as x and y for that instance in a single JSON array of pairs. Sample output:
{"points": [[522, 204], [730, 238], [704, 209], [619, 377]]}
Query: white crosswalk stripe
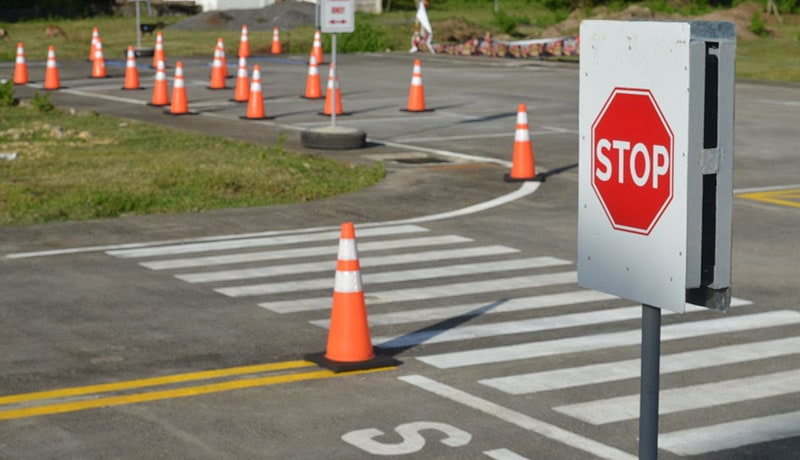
{"points": [[629, 369], [688, 398], [447, 291], [395, 276]]}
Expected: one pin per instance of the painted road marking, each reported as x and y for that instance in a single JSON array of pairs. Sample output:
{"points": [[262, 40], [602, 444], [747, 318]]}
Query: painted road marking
{"points": [[261, 242], [504, 454], [783, 197], [698, 441], [195, 262], [610, 340], [517, 418], [630, 369], [330, 265], [430, 292], [476, 309], [74, 399], [373, 279], [497, 329], [687, 398]]}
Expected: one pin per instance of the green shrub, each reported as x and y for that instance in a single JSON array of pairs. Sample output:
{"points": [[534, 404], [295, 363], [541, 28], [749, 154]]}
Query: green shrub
{"points": [[758, 25], [365, 37], [7, 94], [42, 102]]}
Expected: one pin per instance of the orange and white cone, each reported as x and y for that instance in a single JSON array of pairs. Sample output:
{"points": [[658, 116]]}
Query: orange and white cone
{"points": [[158, 53], [416, 95], [180, 104], [221, 49], [51, 79], [99, 62], [255, 104], [522, 165], [276, 41], [160, 96], [316, 48], [217, 71], [93, 47], [313, 85], [131, 72], [332, 93], [244, 44], [242, 93], [20, 67], [349, 342]]}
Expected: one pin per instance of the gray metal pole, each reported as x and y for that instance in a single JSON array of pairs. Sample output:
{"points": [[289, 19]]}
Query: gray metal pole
{"points": [[335, 81], [648, 395], [138, 25]]}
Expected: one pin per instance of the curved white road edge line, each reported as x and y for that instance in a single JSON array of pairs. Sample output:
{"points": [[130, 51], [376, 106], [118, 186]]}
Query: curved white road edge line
{"points": [[526, 189]]}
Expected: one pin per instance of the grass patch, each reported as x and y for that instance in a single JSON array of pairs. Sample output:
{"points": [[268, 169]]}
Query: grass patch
{"points": [[86, 166], [775, 56]]}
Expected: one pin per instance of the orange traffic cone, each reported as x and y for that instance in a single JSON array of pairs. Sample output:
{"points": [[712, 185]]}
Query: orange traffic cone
{"points": [[276, 41], [221, 49], [416, 95], [99, 62], [131, 72], [242, 93], [522, 167], [255, 104], [313, 86], [51, 80], [316, 48], [349, 343], [20, 68], [158, 53], [244, 44], [180, 105], [217, 71], [160, 97], [332, 93], [93, 48]]}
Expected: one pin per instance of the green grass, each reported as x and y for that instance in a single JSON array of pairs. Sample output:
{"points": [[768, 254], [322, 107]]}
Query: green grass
{"points": [[773, 57], [85, 166]]}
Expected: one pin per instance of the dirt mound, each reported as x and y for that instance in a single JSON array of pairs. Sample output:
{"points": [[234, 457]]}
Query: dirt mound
{"points": [[285, 15], [456, 30], [741, 15]]}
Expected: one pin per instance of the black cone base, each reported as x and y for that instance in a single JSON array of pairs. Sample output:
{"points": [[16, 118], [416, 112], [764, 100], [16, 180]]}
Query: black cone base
{"points": [[339, 366]]}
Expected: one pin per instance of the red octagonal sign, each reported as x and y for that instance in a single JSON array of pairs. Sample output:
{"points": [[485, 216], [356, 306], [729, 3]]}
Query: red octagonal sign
{"points": [[632, 160]]}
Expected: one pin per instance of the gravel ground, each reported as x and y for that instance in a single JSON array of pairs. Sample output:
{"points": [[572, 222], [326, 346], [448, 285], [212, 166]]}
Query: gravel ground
{"points": [[285, 15]]}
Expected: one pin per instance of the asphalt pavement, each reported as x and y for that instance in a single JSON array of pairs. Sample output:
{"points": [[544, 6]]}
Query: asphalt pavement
{"points": [[184, 336]]}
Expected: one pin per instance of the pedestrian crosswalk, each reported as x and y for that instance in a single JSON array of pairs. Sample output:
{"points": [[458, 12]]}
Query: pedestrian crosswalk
{"points": [[448, 292]]}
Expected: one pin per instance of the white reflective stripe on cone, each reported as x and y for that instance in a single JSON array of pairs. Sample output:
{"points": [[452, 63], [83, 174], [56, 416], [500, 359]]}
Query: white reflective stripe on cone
{"points": [[349, 281]]}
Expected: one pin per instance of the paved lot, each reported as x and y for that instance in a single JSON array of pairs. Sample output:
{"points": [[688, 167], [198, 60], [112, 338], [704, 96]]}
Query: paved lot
{"points": [[182, 336]]}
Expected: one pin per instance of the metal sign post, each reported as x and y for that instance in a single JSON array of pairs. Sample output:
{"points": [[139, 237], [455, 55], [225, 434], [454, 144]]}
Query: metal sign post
{"points": [[335, 79], [656, 175], [336, 16]]}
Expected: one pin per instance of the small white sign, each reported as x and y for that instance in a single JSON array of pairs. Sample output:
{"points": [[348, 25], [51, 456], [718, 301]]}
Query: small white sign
{"points": [[337, 16]]}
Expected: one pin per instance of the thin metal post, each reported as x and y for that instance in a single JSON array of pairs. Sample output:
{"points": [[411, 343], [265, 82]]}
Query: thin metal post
{"points": [[138, 25], [335, 81], [648, 393]]}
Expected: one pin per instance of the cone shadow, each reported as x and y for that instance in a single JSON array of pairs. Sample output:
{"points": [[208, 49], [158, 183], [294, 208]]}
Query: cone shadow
{"points": [[408, 341]]}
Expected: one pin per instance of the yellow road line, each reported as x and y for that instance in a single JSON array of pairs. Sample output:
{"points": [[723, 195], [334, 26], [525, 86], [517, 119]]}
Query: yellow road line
{"points": [[779, 197], [176, 393], [154, 381]]}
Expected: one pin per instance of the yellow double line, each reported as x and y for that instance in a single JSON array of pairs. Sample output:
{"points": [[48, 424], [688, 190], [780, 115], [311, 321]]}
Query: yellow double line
{"points": [[92, 396], [784, 197]]}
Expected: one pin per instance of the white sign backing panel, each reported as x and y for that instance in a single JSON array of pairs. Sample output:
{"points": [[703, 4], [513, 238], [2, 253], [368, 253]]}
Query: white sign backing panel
{"points": [[648, 60], [337, 16]]}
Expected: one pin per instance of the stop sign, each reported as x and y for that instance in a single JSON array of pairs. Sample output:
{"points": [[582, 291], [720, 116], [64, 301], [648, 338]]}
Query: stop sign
{"points": [[632, 160]]}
